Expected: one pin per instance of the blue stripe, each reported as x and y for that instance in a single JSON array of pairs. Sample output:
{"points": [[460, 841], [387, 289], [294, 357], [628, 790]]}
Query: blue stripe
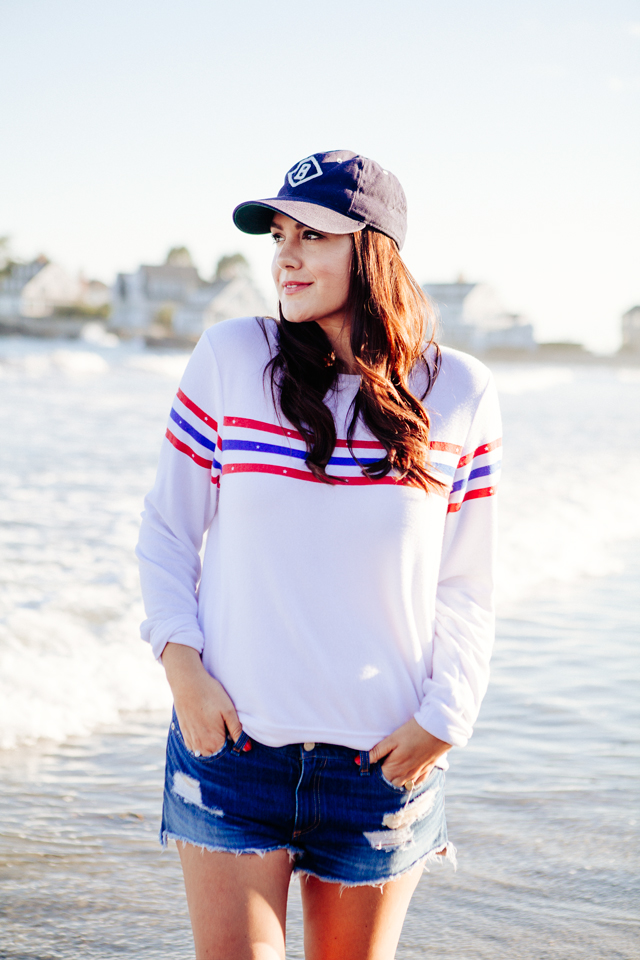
{"points": [[182, 423], [288, 452], [445, 468], [479, 472], [350, 462], [263, 447]]}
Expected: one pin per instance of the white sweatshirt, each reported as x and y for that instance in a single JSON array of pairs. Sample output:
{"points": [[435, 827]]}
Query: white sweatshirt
{"points": [[330, 613]]}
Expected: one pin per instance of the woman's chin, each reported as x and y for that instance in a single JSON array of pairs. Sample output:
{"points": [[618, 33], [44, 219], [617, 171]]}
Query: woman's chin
{"points": [[293, 316]]}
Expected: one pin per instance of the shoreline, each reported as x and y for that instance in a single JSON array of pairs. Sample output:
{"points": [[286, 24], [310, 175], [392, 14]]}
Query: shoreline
{"points": [[71, 328]]}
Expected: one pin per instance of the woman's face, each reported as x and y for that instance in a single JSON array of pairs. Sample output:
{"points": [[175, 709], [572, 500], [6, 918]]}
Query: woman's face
{"points": [[312, 272]]}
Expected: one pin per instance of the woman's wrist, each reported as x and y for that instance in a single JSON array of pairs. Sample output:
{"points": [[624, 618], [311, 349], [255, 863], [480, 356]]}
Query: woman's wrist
{"points": [[182, 665]]}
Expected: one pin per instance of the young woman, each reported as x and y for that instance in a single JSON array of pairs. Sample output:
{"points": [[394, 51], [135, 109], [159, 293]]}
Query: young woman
{"points": [[335, 642]]}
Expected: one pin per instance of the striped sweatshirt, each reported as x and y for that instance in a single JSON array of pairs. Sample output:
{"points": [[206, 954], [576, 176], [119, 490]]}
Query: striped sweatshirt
{"points": [[330, 613]]}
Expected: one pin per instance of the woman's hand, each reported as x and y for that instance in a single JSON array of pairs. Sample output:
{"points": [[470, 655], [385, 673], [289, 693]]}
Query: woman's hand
{"points": [[411, 753], [204, 708]]}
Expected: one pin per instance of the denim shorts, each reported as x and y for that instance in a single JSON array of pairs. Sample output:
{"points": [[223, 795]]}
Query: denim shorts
{"points": [[338, 816]]}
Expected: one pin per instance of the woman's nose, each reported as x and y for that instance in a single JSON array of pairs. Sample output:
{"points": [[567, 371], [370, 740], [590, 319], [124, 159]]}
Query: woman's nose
{"points": [[288, 254]]}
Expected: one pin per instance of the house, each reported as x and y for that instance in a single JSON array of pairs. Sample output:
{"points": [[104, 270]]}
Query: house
{"points": [[631, 330], [472, 317], [37, 289], [94, 294], [150, 296], [174, 299], [228, 296]]}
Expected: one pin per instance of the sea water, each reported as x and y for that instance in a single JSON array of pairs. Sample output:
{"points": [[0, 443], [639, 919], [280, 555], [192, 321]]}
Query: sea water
{"points": [[543, 803]]}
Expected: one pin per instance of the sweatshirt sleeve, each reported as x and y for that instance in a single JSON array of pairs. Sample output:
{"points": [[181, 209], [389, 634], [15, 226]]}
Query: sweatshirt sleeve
{"points": [[464, 613], [180, 507]]}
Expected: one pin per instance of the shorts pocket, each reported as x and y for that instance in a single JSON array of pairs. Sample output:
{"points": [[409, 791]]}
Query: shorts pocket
{"points": [[177, 733], [377, 769]]}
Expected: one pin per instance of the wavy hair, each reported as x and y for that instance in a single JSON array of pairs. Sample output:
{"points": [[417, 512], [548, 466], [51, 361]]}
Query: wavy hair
{"points": [[392, 331]]}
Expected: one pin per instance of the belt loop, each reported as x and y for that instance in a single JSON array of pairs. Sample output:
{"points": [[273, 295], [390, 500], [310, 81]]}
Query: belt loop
{"points": [[240, 742], [364, 763]]}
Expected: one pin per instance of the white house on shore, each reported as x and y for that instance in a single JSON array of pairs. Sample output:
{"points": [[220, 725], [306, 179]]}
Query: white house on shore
{"points": [[38, 289], [231, 295], [174, 298], [150, 296], [631, 330], [472, 317]]}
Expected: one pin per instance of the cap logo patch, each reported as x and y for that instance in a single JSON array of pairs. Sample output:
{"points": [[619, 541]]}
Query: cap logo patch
{"points": [[307, 169]]}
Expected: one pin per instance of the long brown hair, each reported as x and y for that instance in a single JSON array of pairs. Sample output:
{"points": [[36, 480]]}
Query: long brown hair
{"points": [[392, 329]]}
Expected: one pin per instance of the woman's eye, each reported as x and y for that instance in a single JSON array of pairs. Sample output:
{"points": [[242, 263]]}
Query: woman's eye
{"points": [[276, 237], [311, 235]]}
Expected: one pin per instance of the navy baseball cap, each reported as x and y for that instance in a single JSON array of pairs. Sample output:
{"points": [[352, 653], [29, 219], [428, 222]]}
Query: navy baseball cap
{"points": [[335, 192]]}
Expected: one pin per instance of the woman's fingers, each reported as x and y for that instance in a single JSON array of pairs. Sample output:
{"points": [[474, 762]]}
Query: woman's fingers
{"points": [[205, 743], [381, 749], [410, 753], [423, 775], [406, 773], [232, 722]]}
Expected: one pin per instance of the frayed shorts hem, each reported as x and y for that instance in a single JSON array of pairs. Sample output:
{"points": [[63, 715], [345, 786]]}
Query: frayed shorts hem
{"points": [[167, 835], [438, 855], [434, 856]]}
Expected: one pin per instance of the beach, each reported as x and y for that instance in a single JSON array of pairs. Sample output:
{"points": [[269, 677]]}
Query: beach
{"points": [[542, 804]]}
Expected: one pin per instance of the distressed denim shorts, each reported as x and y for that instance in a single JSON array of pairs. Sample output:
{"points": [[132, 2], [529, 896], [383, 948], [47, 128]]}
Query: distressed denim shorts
{"points": [[338, 816]]}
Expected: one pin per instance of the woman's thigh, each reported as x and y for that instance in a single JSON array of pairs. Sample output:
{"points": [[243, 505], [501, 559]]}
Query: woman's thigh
{"points": [[237, 904], [358, 923]]}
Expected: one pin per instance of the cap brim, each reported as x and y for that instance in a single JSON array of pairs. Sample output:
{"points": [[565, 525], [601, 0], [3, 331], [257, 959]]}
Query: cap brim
{"points": [[255, 216]]}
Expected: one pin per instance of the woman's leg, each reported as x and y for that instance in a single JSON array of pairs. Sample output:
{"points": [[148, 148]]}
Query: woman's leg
{"points": [[237, 905], [361, 923]]}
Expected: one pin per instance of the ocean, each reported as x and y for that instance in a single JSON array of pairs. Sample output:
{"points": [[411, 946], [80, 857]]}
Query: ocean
{"points": [[543, 805]]}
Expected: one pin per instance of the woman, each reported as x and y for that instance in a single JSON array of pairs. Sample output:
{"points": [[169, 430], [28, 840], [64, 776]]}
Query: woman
{"points": [[335, 644]]}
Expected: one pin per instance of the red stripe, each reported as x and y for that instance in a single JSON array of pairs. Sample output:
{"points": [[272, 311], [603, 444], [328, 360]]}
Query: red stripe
{"points": [[248, 424], [360, 443], [300, 474], [447, 447], [472, 495], [485, 448], [260, 425], [183, 448], [196, 409], [307, 475]]}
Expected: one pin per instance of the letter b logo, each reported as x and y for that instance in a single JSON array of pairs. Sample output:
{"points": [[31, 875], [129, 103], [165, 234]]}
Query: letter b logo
{"points": [[303, 171]]}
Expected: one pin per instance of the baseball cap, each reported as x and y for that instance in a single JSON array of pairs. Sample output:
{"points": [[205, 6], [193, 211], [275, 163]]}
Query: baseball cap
{"points": [[335, 192]]}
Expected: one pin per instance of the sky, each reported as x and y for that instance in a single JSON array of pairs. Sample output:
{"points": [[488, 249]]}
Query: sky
{"points": [[132, 126]]}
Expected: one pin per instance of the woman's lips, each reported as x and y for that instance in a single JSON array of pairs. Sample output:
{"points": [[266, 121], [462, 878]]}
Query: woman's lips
{"points": [[289, 288]]}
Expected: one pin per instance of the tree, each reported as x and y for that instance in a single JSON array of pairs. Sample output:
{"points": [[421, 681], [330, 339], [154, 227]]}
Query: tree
{"points": [[179, 257], [231, 266], [6, 260]]}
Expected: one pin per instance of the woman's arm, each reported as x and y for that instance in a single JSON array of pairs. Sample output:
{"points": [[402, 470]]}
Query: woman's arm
{"points": [[181, 506], [464, 625], [463, 629], [178, 512]]}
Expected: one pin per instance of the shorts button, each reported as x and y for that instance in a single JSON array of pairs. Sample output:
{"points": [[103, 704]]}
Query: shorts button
{"points": [[308, 746]]}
